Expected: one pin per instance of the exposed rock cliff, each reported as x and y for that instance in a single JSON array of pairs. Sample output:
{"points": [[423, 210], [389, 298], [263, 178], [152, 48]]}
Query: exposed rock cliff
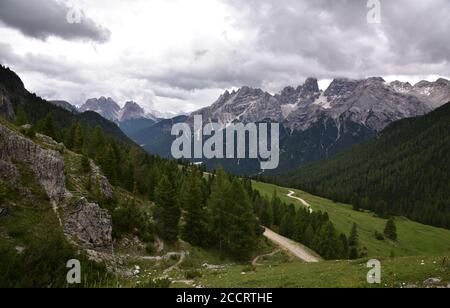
{"points": [[85, 223]]}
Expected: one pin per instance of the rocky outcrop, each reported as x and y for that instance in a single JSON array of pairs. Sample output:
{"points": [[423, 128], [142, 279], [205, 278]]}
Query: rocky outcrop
{"points": [[83, 222], [9, 173], [90, 225], [48, 165], [99, 179], [6, 108]]}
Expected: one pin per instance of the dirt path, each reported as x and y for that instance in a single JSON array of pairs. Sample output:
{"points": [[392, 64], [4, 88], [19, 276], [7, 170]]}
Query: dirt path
{"points": [[255, 260], [306, 204], [295, 248], [182, 257]]}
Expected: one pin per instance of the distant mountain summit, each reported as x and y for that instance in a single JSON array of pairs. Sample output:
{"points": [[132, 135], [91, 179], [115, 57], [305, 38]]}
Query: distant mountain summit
{"points": [[131, 118], [106, 107], [434, 94]]}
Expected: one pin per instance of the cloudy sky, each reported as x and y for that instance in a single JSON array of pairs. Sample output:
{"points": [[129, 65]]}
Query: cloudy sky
{"points": [[180, 55]]}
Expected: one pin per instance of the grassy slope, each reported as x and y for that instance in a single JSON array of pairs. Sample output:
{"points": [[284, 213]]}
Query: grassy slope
{"points": [[414, 239], [399, 272]]}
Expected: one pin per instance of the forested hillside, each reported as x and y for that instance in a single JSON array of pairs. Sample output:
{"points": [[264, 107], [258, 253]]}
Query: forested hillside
{"points": [[405, 170]]}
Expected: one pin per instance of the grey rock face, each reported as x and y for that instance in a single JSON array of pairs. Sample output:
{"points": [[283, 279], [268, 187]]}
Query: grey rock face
{"points": [[99, 179], [341, 88], [434, 94], [47, 165], [9, 173], [89, 224], [6, 108], [246, 105], [374, 104], [130, 111], [93, 230]]}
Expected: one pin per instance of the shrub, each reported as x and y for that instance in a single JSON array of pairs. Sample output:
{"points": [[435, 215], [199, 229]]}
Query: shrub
{"points": [[192, 274], [379, 236]]}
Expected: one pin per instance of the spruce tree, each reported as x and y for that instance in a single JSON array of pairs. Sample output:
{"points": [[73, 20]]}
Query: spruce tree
{"points": [[218, 205], [391, 230], [48, 126], [266, 213], [21, 117], [85, 163], [353, 243], [308, 237], [353, 240], [194, 230], [167, 211], [243, 223], [287, 225]]}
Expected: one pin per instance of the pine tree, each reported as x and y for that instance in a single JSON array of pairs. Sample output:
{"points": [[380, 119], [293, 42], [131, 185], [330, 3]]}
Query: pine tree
{"points": [[98, 138], [353, 240], [353, 243], [277, 209], [21, 117], [218, 204], [78, 139], [243, 223], [194, 230], [85, 163], [345, 252], [308, 237], [391, 230], [266, 213], [167, 211], [287, 225], [48, 126], [330, 246], [354, 253]]}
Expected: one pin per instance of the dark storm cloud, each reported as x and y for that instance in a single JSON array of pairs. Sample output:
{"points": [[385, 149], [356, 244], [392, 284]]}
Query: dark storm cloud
{"points": [[43, 18], [337, 39]]}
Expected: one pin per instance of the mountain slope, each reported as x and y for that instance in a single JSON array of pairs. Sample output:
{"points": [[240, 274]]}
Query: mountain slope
{"points": [[65, 105], [405, 170]]}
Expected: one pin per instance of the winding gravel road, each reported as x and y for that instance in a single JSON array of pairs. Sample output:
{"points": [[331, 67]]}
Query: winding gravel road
{"points": [[295, 248], [306, 204]]}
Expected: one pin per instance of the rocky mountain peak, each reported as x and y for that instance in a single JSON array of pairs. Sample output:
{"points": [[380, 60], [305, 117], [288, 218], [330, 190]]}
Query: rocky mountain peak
{"points": [[106, 107], [310, 87], [443, 82], [288, 91], [130, 111], [341, 87]]}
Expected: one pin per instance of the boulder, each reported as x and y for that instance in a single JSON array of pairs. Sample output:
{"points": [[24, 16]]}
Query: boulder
{"points": [[89, 225]]}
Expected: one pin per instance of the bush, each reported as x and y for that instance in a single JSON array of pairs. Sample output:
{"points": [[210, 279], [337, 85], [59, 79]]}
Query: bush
{"points": [[379, 236], [192, 274], [149, 248], [43, 265], [249, 269], [129, 219]]}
